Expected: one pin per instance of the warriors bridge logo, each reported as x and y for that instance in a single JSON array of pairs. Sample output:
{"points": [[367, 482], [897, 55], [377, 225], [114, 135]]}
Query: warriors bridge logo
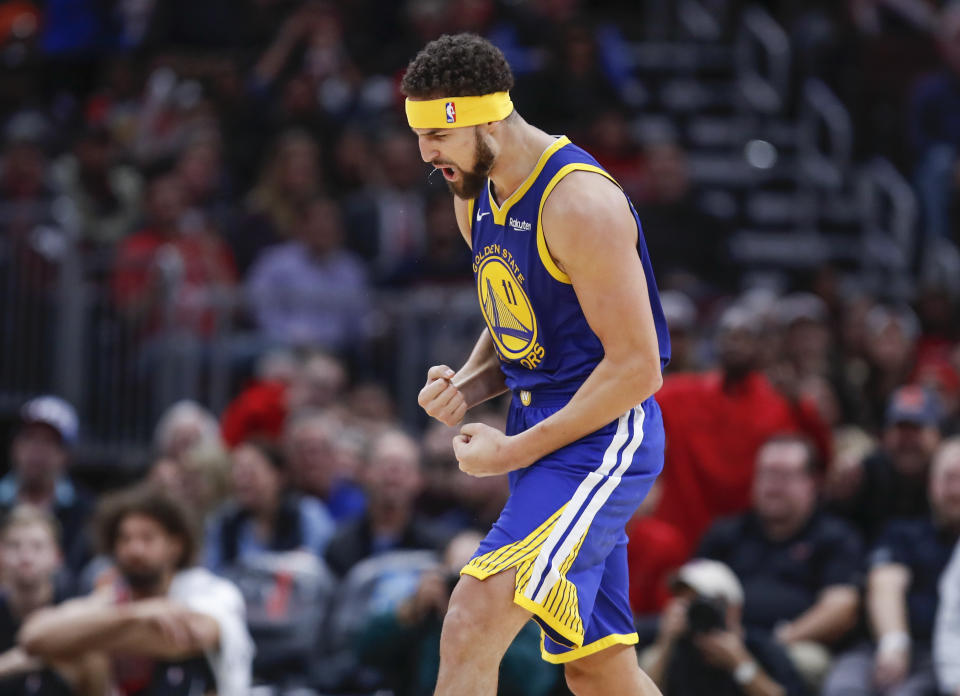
{"points": [[506, 307]]}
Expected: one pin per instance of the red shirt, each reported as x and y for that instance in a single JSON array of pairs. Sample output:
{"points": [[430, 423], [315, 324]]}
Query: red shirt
{"points": [[713, 435], [655, 550], [202, 262]]}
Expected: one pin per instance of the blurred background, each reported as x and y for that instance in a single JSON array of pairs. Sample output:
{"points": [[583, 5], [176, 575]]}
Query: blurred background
{"points": [[215, 227]]}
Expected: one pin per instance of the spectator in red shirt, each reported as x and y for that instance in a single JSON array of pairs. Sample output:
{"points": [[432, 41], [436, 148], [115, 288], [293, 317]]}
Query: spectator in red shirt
{"points": [[171, 272], [715, 423]]}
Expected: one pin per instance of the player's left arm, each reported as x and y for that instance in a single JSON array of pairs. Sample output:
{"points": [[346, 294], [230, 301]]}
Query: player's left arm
{"points": [[592, 236]]}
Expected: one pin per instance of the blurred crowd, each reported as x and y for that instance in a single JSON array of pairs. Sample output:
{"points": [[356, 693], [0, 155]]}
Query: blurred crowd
{"points": [[249, 160]]}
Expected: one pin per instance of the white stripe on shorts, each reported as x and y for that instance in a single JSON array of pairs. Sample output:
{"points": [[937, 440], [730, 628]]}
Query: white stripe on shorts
{"points": [[610, 460]]}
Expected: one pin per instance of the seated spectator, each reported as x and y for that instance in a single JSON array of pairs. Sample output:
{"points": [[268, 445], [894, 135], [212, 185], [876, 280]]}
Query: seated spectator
{"points": [[199, 477], [392, 480], [892, 482], [183, 426], [906, 564], [173, 271], [946, 636], [312, 445], [264, 515], [703, 648], [205, 473], [715, 424], [404, 642], [166, 626], [39, 458], [311, 290], [30, 556], [800, 567]]}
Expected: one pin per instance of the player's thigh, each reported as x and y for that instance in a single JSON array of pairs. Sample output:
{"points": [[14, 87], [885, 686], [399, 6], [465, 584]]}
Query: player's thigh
{"points": [[485, 609]]}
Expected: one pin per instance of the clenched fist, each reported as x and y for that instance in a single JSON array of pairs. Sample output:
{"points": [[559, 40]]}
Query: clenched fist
{"points": [[440, 399], [482, 450]]}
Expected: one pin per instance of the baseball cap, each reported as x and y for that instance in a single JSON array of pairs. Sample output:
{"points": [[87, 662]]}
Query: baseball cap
{"points": [[913, 404], [54, 412], [711, 579]]}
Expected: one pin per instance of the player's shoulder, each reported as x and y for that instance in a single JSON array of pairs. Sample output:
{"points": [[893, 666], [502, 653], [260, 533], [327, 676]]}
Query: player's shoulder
{"points": [[584, 207], [585, 201], [584, 191]]}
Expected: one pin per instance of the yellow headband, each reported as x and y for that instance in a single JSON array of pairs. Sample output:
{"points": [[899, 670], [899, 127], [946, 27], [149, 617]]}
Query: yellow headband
{"points": [[456, 112]]}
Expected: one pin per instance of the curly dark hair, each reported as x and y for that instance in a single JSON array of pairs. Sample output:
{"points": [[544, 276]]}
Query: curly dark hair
{"points": [[145, 499], [457, 65]]}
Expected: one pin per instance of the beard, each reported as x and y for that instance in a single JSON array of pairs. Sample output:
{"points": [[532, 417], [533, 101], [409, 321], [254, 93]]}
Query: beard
{"points": [[472, 182], [143, 581]]}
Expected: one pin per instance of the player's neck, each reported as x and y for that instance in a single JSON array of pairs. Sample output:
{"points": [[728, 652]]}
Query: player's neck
{"points": [[521, 146]]}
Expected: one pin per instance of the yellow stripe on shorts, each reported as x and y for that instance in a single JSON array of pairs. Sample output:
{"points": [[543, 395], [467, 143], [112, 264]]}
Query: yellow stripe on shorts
{"points": [[560, 608]]}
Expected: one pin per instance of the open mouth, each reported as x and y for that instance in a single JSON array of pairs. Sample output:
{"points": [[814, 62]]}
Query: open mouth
{"points": [[449, 173]]}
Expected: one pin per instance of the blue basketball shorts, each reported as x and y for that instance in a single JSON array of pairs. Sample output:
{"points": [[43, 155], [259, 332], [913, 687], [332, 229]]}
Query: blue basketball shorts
{"points": [[562, 528]]}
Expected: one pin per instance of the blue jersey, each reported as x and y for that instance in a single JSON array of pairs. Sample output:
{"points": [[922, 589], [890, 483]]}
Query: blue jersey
{"points": [[539, 330]]}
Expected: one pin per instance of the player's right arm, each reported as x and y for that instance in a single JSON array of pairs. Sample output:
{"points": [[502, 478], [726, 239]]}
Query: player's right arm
{"points": [[448, 395]]}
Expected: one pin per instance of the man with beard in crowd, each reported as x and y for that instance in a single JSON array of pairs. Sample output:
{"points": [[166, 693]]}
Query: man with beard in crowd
{"points": [[167, 627]]}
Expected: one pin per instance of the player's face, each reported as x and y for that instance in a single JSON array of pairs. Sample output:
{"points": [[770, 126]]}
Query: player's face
{"points": [[462, 155], [145, 553]]}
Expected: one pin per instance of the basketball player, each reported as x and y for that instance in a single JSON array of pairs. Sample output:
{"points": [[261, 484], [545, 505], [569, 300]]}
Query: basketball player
{"points": [[576, 332]]}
